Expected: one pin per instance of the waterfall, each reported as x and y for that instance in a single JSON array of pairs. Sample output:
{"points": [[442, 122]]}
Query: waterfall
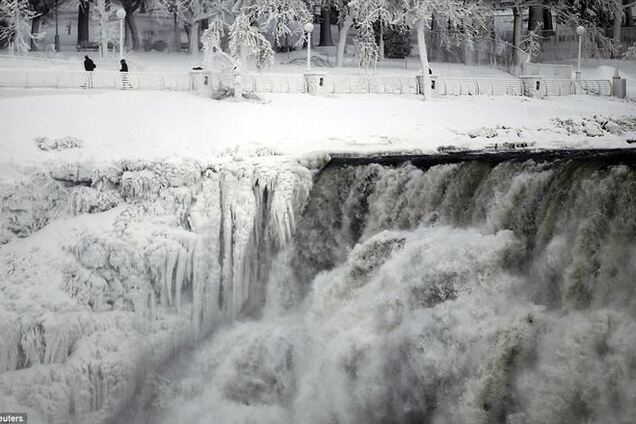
{"points": [[483, 291], [440, 289]]}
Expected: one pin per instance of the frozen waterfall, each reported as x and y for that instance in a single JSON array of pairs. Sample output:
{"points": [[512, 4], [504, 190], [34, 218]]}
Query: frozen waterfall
{"points": [[475, 292], [446, 290]]}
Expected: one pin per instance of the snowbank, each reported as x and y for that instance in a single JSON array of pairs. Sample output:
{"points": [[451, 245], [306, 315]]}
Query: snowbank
{"points": [[118, 125]]}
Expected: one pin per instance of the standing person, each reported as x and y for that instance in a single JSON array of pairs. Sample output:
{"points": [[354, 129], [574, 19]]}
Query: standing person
{"points": [[124, 78], [89, 66]]}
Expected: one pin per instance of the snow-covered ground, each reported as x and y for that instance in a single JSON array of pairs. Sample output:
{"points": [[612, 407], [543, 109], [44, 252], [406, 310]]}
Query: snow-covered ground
{"points": [[118, 125]]}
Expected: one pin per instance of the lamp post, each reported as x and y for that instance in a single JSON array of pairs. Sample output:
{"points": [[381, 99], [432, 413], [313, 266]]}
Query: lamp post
{"points": [[580, 31], [309, 27], [121, 14]]}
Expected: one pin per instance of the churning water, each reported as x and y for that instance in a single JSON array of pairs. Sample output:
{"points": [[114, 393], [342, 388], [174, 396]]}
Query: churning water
{"points": [[485, 291]]}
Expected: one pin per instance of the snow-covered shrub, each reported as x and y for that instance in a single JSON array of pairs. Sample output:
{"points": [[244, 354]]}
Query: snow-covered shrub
{"points": [[47, 144]]}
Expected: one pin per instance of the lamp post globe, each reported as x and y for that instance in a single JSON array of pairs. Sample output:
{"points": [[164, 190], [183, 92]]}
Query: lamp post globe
{"points": [[308, 27], [580, 31], [121, 14]]}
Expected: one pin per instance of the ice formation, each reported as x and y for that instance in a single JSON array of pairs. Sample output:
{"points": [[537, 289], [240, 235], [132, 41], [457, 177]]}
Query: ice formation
{"points": [[464, 293], [242, 292], [154, 256]]}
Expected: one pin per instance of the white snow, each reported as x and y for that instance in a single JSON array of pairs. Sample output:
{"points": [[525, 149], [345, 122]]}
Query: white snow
{"points": [[118, 125]]}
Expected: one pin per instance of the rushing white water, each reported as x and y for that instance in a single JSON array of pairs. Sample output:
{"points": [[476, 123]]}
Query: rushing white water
{"points": [[474, 292], [467, 293]]}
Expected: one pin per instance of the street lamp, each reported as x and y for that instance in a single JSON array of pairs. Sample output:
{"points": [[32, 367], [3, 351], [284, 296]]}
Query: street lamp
{"points": [[580, 31], [309, 27], [121, 14]]}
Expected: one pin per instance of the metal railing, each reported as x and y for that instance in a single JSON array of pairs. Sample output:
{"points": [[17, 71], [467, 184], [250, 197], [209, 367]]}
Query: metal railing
{"points": [[281, 83], [564, 87], [478, 86], [37, 78], [273, 83], [362, 84]]}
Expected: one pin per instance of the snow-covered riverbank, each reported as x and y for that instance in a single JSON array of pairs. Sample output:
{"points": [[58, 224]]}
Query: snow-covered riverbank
{"points": [[131, 125]]}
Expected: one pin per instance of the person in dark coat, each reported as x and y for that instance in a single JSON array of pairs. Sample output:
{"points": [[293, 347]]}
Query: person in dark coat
{"points": [[125, 84], [89, 65]]}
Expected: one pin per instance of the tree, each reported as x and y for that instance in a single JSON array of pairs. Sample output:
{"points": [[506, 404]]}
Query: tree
{"points": [[131, 6], [169, 8], [325, 26], [18, 16], [102, 13], [41, 8], [83, 22], [282, 18], [364, 14], [620, 7], [466, 19]]}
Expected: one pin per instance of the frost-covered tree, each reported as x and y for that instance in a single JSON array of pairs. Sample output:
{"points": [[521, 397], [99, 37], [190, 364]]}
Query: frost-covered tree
{"points": [[466, 19], [531, 44], [102, 13], [192, 13], [364, 14], [246, 40], [17, 15]]}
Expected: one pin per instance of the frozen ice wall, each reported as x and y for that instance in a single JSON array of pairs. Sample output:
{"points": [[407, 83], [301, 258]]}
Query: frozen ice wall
{"points": [[466, 293], [108, 271]]}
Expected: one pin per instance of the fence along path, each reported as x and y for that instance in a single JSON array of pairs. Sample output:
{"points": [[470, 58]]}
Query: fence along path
{"points": [[282, 83], [40, 78], [565, 87], [478, 86]]}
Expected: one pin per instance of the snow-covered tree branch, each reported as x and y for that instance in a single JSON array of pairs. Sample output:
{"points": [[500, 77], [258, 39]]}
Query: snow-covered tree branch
{"points": [[17, 15]]}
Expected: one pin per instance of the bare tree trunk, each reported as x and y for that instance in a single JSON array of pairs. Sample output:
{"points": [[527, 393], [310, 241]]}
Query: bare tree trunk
{"points": [[83, 17], [102, 8], [516, 34], [132, 27], [325, 27], [342, 40], [194, 38], [618, 18], [421, 47], [381, 46], [176, 36], [35, 28]]}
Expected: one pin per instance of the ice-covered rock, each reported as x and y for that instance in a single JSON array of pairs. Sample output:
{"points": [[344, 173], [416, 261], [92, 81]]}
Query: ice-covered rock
{"points": [[485, 132], [47, 144]]}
